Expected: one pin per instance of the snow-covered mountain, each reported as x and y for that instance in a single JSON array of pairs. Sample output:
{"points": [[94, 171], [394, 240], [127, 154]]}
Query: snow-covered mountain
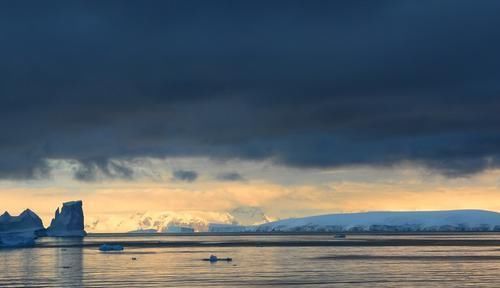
{"points": [[249, 215], [247, 219], [454, 220], [161, 221]]}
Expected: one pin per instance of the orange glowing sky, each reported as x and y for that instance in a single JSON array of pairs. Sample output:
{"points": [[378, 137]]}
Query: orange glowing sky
{"points": [[281, 192]]}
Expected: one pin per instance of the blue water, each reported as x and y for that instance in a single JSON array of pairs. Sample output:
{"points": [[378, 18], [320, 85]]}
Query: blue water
{"points": [[78, 263]]}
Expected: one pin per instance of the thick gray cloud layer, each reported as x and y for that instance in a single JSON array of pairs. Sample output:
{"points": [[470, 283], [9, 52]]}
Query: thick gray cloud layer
{"points": [[230, 176], [185, 175], [305, 83]]}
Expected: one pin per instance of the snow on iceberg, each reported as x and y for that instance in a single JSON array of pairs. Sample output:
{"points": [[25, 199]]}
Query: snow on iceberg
{"points": [[20, 230], [68, 222]]}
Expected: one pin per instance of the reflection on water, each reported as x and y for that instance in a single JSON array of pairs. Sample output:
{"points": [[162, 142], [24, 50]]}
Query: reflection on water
{"points": [[35, 267], [69, 265], [360, 266]]}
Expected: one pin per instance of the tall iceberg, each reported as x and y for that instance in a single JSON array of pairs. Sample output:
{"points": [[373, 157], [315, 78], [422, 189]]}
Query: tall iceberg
{"points": [[20, 230], [68, 222]]}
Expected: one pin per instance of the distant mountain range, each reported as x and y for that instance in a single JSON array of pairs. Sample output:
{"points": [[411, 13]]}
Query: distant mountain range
{"points": [[453, 220], [253, 219], [161, 221]]}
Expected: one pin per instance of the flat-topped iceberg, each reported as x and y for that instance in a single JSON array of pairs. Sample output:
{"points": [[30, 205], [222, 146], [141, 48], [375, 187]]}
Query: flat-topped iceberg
{"points": [[143, 231], [178, 229], [68, 222], [229, 228]]}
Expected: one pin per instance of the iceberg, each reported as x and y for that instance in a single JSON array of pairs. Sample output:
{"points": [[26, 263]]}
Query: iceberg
{"points": [[213, 259], [178, 229], [20, 230], [110, 247], [68, 222], [229, 228], [27, 221], [143, 231], [17, 239]]}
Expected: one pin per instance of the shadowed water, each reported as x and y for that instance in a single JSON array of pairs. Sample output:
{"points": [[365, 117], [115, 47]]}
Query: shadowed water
{"points": [[76, 263]]}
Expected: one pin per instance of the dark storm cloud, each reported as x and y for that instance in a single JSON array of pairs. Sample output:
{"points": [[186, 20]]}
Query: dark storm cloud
{"points": [[93, 170], [304, 83], [185, 175], [230, 176]]}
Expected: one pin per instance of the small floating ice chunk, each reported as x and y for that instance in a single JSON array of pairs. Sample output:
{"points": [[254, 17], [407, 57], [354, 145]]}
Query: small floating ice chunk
{"points": [[110, 247], [213, 259]]}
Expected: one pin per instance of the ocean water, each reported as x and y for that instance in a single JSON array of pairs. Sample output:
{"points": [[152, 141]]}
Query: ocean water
{"points": [[258, 261]]}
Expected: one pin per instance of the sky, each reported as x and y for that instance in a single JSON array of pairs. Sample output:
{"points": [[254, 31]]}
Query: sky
{"points": [[297, 107]]}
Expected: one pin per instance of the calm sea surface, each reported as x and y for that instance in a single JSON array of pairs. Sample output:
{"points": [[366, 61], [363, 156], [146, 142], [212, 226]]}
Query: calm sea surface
{"points": [[175, 261]]}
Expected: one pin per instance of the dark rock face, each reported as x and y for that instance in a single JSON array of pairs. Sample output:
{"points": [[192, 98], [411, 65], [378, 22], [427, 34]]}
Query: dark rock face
{"points": [[69, 221]]}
